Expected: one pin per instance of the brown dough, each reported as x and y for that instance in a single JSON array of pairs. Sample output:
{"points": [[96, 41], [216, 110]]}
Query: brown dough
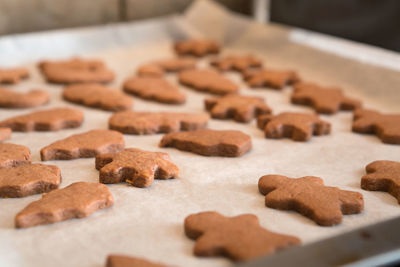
{"points": [[298, 126], [209, 142], [33, 98], [97, 96], [12, 155], [196, 47], [127, 261], [28, 179], [135, 166], [53, 119], [383, 175], [385, 126], [309, 196], [78, 200], [131, 122], [208, 81], [239, 107], [84, 145], [159, 67], [154, 88], [13, 75], [323, 100], [239, 238], [76, 70]]}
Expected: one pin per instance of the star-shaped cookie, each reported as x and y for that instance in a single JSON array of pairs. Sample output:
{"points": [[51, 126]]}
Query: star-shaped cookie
{"points": [[276, 79]]}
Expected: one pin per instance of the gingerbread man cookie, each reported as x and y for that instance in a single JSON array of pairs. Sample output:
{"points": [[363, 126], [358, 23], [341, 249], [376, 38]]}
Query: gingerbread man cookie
{"points": [[28, 179], [298, 126], [270, 78], [13, 75], [135, 166], [208, 81], [154, 88], [127, 261], [132, 122], [323, 100], [78, 200], [383, 175], [198, 48], [309, 196], [84, 145], [97, 96], [237, 63], [33, 98], [45, 120], [5, 133], [159, 67], [239, 107], [12, 155], [239, 238], [76, 71], [385, 126], [209, 142]]}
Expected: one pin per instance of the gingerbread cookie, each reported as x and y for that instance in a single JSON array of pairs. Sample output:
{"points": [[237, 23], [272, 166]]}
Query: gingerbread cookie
{"points": [[382, 175], [270, 78], [309, 196], [208, 81], [132, 122], [13, 75], [154, 88], [198, 48], [209, 142], [127, 261], [45, 120], [28, 179], [33, 98], [12, 155], [78, 200], [5, 133], [323, 100], [135, 166], [97, 96], [76, 71], [239, 107], [385, 126], [298, 126], [239, 238], [84, 145], [237, 63], [158, 68]]}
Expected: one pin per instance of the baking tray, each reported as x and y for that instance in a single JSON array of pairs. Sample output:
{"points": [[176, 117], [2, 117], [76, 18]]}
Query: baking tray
{"points": [[149, 222]]}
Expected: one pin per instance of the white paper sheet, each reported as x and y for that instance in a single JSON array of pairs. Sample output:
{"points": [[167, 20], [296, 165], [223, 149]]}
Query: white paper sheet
{"points": [[149, 222]]}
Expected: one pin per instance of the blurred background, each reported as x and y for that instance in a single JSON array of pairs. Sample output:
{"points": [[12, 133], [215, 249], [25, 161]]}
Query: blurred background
{"points": [[368, 21]]}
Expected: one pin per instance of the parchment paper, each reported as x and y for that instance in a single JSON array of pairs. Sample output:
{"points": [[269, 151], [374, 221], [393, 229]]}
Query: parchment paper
{"points": [[149, 222]]}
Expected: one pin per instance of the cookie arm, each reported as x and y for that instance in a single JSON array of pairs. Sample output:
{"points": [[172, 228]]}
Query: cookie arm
{"points": [[351, 202], [268, 183]]}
